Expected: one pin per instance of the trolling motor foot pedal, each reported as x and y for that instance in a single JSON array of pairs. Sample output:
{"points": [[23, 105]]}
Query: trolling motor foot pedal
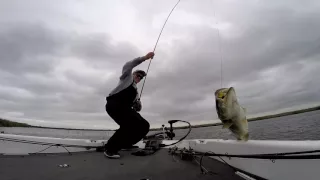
{"points": [[152, 146]]}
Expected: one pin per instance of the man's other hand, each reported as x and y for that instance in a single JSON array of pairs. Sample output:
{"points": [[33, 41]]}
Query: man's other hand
{"points": [[137, 106]]}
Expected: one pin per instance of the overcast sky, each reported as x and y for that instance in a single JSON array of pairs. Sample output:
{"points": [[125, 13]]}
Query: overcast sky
{"points": [[59, 59]]}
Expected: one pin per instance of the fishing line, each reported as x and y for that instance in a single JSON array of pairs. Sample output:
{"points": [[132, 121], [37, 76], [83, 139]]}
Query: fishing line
{"points": [[204, 170], [50, 147], [42, 150], [157, 44], [220, 159], [220, 57], [220, 48]]}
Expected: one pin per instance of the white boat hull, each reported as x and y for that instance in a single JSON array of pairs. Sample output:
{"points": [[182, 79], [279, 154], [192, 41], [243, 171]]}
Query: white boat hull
{"points": [[11, 144], [265, 168], [278, 169]]}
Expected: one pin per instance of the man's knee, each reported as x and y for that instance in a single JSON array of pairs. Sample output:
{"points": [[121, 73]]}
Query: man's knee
{"points": [[142, 125], [146, 125]]}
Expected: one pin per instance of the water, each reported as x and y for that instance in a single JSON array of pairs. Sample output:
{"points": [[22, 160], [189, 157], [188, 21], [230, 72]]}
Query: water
{"points": [[303, 126], [294, 127]]}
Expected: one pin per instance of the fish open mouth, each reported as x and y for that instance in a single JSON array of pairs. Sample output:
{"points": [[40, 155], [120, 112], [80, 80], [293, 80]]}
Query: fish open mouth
{"points": [[222, 94]]}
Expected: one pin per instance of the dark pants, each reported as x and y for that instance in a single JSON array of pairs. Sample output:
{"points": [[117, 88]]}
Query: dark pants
{"points": [[133, 127]]}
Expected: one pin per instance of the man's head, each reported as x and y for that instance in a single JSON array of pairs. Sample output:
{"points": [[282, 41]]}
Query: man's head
{"points": [[138, 75]]}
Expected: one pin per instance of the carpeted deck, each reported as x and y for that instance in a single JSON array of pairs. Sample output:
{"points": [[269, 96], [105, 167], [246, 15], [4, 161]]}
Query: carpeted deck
{"points": [[94, 166]]}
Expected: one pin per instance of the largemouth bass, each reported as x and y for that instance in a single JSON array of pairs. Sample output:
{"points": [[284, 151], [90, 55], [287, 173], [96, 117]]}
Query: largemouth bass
{"points": [[231, 114]]}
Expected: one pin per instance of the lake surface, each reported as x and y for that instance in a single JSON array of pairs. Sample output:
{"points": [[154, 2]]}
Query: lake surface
{"points": [[305, 126]]}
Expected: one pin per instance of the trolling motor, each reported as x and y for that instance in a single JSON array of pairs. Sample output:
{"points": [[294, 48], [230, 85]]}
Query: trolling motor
{"points": [[171, 133], [165, 134], [154, 142]]}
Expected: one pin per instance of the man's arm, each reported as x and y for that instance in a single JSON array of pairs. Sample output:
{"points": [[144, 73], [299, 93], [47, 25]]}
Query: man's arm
{"points": [[127, 68]]}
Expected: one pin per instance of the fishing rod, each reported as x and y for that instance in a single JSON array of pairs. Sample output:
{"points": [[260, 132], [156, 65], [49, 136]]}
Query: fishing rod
{"points": [[272, 156], [157, 44]]}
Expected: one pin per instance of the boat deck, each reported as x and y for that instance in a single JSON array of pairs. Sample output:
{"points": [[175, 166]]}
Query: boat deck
{"points": [[95, 166]]}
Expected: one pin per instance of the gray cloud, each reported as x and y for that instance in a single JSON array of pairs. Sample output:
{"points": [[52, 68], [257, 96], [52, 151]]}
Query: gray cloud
{"points": [[266, 42], [32, 83], [27, 49]]}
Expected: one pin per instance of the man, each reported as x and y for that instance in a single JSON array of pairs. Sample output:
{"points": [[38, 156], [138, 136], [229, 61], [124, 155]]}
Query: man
{"points": [[123, 105]]}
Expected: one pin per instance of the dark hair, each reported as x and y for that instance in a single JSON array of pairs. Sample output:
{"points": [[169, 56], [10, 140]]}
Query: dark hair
{"points": [[140, 72]]}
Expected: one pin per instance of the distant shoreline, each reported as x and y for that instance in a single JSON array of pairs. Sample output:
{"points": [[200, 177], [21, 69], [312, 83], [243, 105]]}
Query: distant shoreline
{"points": [[7, 123]]}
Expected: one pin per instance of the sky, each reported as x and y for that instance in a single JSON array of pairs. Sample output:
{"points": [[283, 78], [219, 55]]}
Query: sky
{"points": [[60, 59]]}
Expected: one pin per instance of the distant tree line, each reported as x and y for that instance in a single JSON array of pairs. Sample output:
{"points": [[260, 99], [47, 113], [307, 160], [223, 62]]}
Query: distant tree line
{"points": [[6, 123]]}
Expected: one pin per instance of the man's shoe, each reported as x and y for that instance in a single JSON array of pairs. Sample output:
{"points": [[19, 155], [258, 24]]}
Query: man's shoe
{"points": [[111, 155]]}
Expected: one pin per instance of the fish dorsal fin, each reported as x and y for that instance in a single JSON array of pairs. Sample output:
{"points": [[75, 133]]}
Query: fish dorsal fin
{"points": [[227, 125]]}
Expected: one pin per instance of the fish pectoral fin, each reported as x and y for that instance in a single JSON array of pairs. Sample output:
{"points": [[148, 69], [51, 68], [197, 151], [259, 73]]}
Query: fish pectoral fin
{"points": [[227, 125], [244, 137]]}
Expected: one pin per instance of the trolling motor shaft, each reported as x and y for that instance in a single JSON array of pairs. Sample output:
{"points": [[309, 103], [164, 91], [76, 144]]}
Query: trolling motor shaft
{"points": [[171, 134]]}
